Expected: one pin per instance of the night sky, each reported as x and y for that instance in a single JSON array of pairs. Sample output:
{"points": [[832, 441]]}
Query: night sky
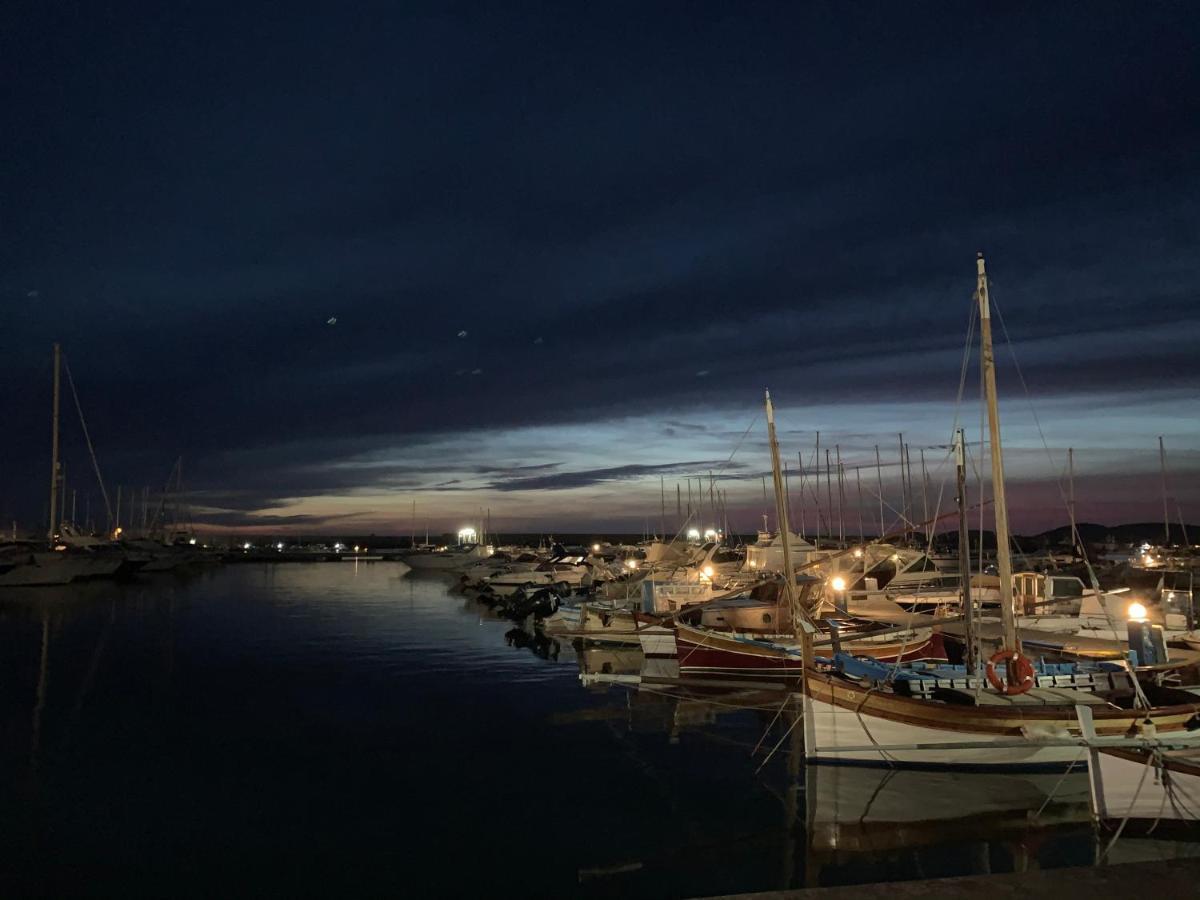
{"points": [[531, 259]]}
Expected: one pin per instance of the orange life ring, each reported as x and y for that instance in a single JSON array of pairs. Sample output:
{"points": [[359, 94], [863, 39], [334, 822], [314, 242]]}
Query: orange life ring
{"points": [[1018, 665]]}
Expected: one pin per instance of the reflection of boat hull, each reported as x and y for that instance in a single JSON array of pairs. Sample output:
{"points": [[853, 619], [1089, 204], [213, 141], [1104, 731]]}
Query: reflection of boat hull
{"points": [[852, 808], [658, 642], [610, 661], [701, 650]]}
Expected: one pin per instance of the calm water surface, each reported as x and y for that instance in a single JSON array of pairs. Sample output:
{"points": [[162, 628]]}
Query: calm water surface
{"points": [[328, 727]]}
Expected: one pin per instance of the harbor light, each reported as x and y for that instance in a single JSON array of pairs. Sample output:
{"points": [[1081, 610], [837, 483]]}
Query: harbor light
{"points": [[595, 548], [631, 564], [708, 571], [338, 548], [858, 553], [1137, 612], [246, 546], [838, 583], [710, 534], [192, 541], [466, 535], [356, 548], [693, 534], [279, 546]]}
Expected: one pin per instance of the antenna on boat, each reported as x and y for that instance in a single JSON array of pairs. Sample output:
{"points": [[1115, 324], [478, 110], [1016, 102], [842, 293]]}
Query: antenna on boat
{"points": [[1003, 556]]}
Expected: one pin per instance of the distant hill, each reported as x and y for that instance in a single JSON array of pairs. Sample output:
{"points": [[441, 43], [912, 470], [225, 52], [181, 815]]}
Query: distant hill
{"points": [[1131, 533]]}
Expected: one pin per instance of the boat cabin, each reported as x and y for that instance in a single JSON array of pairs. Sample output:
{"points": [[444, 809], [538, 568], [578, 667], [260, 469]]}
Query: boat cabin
{"points": [[1037, 593]]}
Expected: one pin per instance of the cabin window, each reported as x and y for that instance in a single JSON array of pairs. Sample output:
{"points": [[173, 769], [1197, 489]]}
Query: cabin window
{"points": [[924, 564], [1068, 587], [766, 618]]}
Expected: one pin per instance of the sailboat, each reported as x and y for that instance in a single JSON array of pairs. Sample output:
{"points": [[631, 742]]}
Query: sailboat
{"points": [[1024, 716], [58, 561]]}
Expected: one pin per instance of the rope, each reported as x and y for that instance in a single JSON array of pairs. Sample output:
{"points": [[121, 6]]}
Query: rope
{"points": [[779, 743], [1062, 494], [767, 731], [1151, 759], [87, 437], [1041, 809]]}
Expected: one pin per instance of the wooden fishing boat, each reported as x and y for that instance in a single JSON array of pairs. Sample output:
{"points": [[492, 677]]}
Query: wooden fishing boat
{"points": [[702, 650], [961, 724], [1030, 717], [851, 809]]}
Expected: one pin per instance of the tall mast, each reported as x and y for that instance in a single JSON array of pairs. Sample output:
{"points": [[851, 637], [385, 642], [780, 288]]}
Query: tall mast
{"points": [[662, 496], [789, 573], [803, 511], [879, 480], [912, 499], [54, 447], [837, 448], [829, 490], [817, 486], [1162, 461], [1076, 543], [964, 549], [858, 481], [787, 490], [1003, 558], [925, 501]]}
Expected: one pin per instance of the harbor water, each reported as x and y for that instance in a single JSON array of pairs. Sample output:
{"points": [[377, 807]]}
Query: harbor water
{"points": [[340, 727]]}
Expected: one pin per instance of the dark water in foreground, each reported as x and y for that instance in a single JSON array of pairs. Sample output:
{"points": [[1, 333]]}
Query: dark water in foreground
{"points": [[307, 729]]}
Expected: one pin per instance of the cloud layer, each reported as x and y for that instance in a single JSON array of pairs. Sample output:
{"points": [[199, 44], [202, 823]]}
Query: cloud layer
{"points": [[259, 239]]}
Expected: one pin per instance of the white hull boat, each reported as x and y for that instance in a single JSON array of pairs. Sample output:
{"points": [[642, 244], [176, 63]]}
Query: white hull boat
{"points": [[448, 560]]}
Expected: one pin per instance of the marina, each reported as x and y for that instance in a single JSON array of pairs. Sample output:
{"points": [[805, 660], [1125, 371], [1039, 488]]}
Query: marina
{"points": [[600, 451], [882, 698]]}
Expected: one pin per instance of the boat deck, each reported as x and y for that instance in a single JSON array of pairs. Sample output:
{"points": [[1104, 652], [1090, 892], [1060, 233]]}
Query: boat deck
{"points": [[1166, 878], [1032, 697]]}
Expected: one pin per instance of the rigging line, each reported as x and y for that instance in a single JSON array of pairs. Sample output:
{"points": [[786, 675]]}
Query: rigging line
{"points": [[87, 437], [1050, 797], [767, 731], [795, 721], [937, 509], [1150, 760], [1032, 409], [1062, 494], [966, 363]]}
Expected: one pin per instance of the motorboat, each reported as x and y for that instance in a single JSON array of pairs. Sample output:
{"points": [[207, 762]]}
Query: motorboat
{"points": [[448, 559], [564, 573]]}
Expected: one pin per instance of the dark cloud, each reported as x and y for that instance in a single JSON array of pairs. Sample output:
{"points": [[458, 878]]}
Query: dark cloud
{"points": [[607, 202], [565, 480]]}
